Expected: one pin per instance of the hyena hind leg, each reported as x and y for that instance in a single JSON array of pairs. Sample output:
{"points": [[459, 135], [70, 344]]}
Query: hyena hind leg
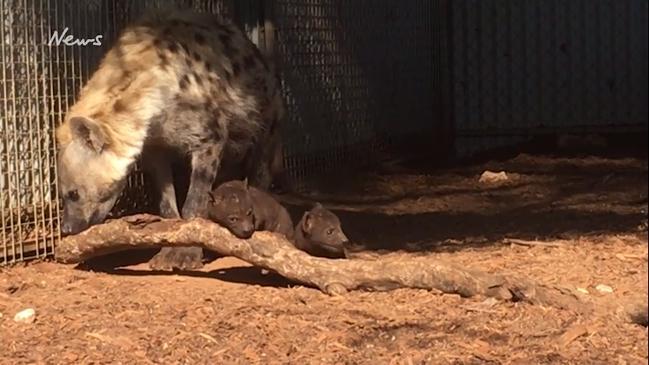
{"points": [[265, 165], [205, 167], [258, 169], [281, 183]]}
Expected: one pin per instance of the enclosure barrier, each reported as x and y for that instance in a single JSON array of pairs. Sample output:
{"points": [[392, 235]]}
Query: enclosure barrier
{"points": [[39, 82], [357, 76], [527, 68], [349, 69]]}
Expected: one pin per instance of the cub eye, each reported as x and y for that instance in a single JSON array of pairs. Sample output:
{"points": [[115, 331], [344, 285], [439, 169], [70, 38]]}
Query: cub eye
{"points": [[233, 219], [249, 212], [330, 231], [73, 195]]}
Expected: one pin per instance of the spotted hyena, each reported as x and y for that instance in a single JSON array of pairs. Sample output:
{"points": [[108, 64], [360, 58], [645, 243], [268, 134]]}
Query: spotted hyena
{"points": [[174, 84]]}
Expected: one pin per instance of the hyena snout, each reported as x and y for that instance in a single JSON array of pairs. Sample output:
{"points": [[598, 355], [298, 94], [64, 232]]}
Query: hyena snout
{"points": [[71, 225], [244, 230], [336, 240], [342, 238], [75, 221], [248, 230], [335, 243]]}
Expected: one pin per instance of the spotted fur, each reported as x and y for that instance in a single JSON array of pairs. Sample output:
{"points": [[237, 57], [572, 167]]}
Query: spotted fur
{"points": [[175, 82]]}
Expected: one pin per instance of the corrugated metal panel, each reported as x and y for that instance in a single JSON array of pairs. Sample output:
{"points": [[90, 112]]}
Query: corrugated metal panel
{"points": [[525, 67]]}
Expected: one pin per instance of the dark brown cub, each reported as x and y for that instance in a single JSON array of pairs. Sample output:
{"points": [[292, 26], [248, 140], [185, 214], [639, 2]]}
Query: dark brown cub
{"points": [[319, 233], [244, 209]]}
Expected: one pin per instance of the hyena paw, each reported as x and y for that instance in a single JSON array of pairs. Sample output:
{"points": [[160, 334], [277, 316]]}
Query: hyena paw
{"points": [[180, 258], [193, 209]]}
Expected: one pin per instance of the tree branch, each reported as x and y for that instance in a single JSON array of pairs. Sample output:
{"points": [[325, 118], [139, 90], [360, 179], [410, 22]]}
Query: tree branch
{"points": [[271, 251]]}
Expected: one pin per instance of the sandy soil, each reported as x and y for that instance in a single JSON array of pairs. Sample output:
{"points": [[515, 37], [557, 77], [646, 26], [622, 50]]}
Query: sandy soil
{"points": [[596, 209]]}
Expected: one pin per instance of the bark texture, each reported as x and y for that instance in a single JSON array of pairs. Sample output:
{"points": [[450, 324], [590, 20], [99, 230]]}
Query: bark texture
{"points": [[271, 251]]}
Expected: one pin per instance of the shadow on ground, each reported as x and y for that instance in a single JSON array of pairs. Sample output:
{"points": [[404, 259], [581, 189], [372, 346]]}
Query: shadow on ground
{"points": [[448, 211]]}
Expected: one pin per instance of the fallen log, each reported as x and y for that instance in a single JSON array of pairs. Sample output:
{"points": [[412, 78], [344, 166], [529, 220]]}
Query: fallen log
{"points": [[271, 251]]}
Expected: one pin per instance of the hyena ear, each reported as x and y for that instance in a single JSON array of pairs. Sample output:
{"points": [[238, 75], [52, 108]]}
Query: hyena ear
{"points": [[245, 183], [307, 222], [317, 205], [87, 132], [213, 199]]}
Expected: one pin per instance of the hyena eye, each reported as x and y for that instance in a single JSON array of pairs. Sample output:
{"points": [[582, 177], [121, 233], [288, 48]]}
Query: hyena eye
{"points": [[72, 195], [233, 219], [330, 231], [249, 212]]}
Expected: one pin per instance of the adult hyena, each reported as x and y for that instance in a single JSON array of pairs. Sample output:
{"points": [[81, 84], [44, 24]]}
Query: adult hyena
{"points": [[174, 82]]}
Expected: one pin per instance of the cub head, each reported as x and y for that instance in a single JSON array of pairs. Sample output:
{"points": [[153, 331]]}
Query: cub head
{"points": [[231, 206], [323, 229], [90, 175]]}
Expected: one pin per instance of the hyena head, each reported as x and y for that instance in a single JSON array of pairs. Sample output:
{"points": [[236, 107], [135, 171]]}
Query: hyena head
{"points": [[323, 229], [231, 206], [90, 175]]}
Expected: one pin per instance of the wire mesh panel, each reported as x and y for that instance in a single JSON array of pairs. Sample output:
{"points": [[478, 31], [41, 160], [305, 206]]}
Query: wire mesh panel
{"points": [[526, 67], [28, 208], [356, 74], [40, 77]]}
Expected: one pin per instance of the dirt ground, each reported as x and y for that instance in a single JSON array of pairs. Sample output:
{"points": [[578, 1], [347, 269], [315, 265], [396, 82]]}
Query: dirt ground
{"points": [[594, 209]]}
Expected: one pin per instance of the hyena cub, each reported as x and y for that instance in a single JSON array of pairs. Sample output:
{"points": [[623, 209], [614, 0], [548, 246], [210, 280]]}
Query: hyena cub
{"points": [[174, 83], [244, 209], [319, 233]]}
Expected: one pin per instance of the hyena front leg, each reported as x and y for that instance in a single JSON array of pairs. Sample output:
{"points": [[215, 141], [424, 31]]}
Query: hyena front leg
{"points": [[205, 165], [182, 258], [158, 166]]}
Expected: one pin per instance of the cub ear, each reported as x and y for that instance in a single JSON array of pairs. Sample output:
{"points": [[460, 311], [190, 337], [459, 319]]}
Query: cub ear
{"points": [[317, 205], [88, 133], [307, 222], [213, 199], [245, 183]]}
